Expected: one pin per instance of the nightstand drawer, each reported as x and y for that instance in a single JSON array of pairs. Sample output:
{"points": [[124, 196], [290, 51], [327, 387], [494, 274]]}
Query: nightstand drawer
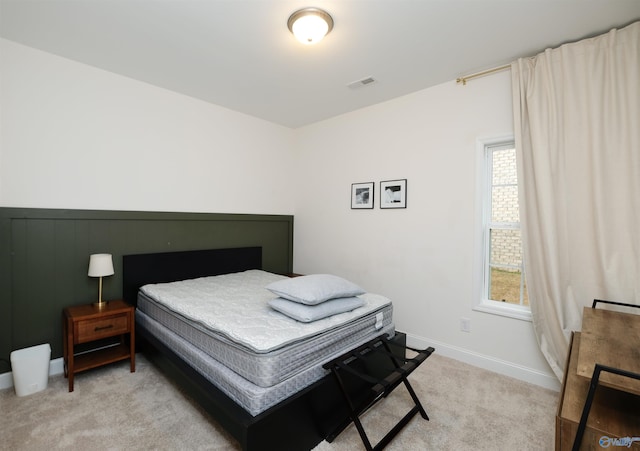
{"points": [[95, 329]]}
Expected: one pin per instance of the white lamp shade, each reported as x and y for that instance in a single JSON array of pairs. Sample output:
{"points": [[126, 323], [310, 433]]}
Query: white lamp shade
{"points": [[310, 25], [100, 265]]}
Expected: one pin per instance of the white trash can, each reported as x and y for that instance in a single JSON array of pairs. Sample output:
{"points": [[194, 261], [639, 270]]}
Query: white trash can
{"points": [[30, 368]]}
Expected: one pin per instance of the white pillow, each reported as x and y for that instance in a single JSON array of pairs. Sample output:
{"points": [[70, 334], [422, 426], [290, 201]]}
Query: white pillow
{"points": [[309, 313], [314, 289]]}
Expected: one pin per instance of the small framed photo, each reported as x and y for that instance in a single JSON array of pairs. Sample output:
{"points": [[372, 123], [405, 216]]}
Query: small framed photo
{"points": [[393, 194], [362, 195]]}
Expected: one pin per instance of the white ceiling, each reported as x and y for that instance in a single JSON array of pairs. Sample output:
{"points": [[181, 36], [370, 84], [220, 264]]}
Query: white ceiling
{"points": [[239, 53]]}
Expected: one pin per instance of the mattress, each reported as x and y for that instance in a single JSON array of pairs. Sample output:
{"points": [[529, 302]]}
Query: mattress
{"points": [[251, 397], [227, 317]]}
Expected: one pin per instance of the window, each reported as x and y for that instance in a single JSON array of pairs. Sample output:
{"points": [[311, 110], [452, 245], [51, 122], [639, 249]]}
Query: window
{"points": [[503, 282]]}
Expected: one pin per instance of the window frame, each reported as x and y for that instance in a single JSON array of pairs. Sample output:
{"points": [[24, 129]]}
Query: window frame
{"points": [[481, 301]]}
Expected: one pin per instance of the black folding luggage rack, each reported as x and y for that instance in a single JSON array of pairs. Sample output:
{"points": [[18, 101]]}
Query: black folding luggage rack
{"points": [[354, 363]]}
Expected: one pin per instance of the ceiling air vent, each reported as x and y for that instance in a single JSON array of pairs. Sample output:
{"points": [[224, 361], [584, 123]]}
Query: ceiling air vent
{"points": [[361, 83]]}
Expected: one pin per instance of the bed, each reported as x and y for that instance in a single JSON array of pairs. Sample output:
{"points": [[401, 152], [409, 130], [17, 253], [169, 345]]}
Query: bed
{"points": [[274, 404]]}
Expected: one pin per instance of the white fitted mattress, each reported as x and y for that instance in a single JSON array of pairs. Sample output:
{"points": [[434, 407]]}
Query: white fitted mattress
{"points": [[228, 318], [251, 397]]}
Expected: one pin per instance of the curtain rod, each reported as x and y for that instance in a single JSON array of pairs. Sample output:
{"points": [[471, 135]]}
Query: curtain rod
{"points": [[464, 79]]}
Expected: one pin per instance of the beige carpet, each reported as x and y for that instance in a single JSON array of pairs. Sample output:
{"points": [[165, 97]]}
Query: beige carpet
{"points": [[113, 409]]}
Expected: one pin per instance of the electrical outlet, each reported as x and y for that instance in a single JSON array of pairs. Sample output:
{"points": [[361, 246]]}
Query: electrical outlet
{"points": [[465, 324]]}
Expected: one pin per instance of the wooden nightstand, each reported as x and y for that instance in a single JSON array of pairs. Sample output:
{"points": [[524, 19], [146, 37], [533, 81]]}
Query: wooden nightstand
{"points": [[89, 324]]}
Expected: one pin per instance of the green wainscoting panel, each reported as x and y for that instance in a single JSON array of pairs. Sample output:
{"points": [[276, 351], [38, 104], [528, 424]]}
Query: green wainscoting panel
{"points": [[44, 258]]}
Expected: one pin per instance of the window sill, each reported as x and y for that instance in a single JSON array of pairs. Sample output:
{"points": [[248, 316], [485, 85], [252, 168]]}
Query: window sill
{"points": [[503, 309]]}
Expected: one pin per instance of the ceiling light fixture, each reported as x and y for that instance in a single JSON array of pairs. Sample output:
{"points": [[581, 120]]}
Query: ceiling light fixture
{"points": [[310, 25]]}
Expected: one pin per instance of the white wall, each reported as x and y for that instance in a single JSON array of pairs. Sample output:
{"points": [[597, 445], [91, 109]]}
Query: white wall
{"points": [[73, 136], [422, 257]]}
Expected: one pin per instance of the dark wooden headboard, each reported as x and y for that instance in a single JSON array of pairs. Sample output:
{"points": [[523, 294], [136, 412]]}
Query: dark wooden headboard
{"points": [[141, 269]]}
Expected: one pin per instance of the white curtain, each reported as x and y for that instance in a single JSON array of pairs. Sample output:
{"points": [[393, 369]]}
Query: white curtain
{"points": [[577, 129]]}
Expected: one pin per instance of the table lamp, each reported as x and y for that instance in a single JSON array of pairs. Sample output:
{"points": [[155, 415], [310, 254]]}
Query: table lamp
{"points": [[100, 265]]}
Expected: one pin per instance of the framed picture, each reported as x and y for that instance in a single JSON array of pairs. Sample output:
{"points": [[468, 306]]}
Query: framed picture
{"points": [[362, 195], [393, 194]]}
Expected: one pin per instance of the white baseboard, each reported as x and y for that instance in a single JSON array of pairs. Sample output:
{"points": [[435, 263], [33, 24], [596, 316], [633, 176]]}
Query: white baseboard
{"points": [[533, 376], [56, 367]]}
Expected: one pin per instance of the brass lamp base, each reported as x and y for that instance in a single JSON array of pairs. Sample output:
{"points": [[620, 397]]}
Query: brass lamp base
{"points": [[100, 304]]}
